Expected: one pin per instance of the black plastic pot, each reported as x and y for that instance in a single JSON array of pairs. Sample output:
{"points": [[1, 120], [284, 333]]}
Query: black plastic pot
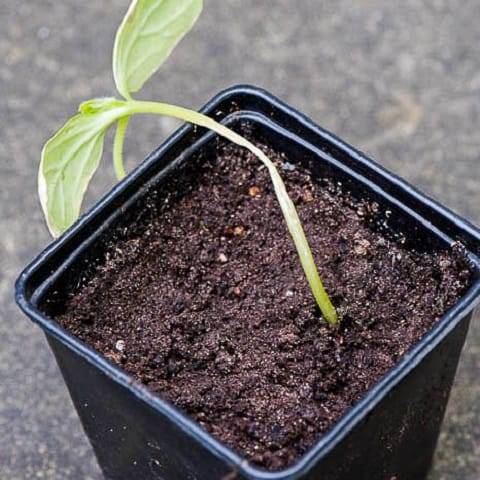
{"points": [[390, 433]]}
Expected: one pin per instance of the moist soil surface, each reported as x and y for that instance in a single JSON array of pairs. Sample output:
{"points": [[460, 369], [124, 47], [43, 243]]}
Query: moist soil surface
{"points": [[204, 301]]}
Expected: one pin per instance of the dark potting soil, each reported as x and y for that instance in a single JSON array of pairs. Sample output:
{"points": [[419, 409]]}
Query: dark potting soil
{"points": [[204, 301]]}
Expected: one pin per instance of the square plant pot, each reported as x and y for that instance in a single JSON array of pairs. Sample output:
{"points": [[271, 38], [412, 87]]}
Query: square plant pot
{"points": [[389, 434]]}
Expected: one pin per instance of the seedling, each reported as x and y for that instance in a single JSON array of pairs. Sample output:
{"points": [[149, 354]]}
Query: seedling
{"points": [[144, 40]]}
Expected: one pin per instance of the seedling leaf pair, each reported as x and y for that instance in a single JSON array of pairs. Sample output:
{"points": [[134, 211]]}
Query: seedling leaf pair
{"points": [[145, 38]]}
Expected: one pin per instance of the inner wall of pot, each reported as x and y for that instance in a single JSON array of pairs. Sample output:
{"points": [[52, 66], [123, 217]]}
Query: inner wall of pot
{"points": [[391, 220]]}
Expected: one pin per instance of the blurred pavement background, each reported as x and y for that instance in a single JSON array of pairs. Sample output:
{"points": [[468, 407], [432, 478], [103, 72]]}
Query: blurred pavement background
{"points": [[399, 80]]}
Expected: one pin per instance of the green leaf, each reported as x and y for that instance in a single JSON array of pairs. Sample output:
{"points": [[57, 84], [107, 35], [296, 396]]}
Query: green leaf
{"points": [[146, 37], [69, 160]]}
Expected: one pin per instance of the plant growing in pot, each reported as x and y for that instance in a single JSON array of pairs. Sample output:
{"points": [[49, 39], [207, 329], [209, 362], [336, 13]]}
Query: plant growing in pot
{"points": [[194, 341]]}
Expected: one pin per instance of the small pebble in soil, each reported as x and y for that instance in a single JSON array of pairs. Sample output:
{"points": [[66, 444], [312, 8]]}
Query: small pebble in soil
{"points": [[288, 167], [254, 191], [361, 247], [237, 291], [222, 258], [307, 196], [239, 231]]}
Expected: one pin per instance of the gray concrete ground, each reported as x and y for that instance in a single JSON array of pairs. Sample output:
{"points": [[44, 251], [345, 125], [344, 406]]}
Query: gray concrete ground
{"points": [[400, 80]]}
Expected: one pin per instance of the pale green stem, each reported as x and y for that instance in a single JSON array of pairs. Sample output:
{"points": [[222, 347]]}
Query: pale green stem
{"points": [[288, 209], [118, 147]]}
